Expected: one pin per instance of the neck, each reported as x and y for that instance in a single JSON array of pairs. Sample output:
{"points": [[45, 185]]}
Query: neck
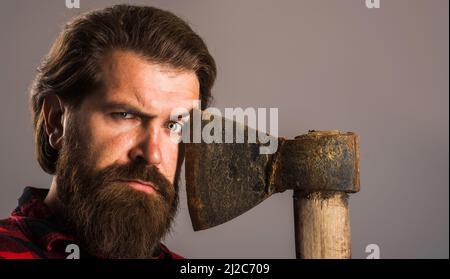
{"points": [[52, 201]]}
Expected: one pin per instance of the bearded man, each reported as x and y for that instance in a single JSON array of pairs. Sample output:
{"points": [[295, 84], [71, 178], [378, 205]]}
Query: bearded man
{"points": [[101, 104]]}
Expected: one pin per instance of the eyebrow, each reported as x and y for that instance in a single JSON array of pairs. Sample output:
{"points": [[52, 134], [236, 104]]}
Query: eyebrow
{"points": [[120, 106]]}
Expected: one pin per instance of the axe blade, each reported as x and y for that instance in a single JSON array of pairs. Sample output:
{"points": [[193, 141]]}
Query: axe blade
{"points": [[224, 180]]}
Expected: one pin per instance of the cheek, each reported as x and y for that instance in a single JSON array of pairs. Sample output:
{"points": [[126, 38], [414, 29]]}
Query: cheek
{"points": [[111, 149], [106, 145]]}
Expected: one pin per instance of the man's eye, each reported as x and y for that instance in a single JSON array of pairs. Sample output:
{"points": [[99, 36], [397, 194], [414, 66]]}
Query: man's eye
{"points": [[123, 115], [174, 127]]}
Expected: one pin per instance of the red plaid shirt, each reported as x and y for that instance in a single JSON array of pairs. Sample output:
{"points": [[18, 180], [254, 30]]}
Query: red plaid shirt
{"points": [[31, 232]]}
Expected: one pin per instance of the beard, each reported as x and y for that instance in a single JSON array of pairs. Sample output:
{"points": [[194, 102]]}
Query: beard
{"points": [[109, 218]]}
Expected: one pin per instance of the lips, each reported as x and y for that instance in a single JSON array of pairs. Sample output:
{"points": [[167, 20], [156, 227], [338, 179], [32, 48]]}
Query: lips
{"points": [[140, 185]]}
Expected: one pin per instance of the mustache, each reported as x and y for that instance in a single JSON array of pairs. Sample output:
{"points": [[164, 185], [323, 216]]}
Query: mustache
{"points": [[138, 170]]}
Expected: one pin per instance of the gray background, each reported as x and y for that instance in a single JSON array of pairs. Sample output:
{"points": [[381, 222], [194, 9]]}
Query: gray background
{"points": [[382, 73]]}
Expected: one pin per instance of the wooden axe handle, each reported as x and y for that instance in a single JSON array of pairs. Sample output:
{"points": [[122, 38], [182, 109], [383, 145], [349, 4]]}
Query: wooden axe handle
{"points": [[322, 225], [330, 164]]}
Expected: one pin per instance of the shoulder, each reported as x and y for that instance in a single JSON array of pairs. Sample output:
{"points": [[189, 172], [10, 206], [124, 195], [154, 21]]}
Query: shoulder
{"points": [[14, 244], [168, 254]]}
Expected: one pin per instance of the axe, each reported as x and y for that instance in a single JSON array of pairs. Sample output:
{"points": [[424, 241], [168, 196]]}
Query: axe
{"points": [[224, 180]]}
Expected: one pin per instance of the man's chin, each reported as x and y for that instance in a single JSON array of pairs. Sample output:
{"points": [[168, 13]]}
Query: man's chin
{"points": [[121, 222]]}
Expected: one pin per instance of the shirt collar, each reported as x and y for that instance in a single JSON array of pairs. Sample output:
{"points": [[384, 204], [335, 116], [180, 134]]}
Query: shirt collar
{"points": [[38, 222]]}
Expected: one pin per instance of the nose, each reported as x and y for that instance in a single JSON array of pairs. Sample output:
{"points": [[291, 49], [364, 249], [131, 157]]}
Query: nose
{"points": [[148, 148]]}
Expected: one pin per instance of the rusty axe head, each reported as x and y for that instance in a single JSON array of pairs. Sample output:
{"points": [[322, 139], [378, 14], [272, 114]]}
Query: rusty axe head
{"points": [[224, 180]]}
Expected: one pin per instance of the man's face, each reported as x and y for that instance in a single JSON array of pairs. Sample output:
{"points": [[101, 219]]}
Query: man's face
{"points": [[118, 164], [131, 118]]}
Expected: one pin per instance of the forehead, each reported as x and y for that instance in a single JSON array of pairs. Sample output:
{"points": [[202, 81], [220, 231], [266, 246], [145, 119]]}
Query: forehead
{"points": [[131, 78]]}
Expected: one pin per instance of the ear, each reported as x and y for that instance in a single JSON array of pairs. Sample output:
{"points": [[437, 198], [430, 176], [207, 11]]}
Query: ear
{"points": [[53, 109]]}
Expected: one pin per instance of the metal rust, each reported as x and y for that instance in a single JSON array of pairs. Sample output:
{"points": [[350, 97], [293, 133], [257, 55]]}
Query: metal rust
{"points": [[223, 181], [319, 161], [226, 180]]}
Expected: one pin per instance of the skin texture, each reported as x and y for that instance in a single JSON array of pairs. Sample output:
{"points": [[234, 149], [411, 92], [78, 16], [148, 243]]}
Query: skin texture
{"points": [[117, 155]]}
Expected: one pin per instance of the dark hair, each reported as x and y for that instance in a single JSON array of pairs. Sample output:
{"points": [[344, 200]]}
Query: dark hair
{"points": [[71, 69]]}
